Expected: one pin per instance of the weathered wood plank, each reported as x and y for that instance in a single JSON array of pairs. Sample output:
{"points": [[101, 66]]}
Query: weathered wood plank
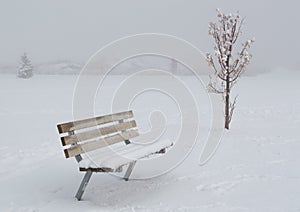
{"points": [[81, 124], [98, 143], [78, 137], [104, 169]]}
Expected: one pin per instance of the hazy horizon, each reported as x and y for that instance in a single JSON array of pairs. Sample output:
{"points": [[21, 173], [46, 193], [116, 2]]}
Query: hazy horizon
{"points": [[74, 30]]}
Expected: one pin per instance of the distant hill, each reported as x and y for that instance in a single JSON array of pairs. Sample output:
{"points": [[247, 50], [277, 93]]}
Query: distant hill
{"points": [[133, 65], [50, 68]]}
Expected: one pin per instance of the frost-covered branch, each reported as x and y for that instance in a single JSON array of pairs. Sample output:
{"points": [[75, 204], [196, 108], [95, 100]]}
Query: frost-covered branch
{"points": [[231, 108]]}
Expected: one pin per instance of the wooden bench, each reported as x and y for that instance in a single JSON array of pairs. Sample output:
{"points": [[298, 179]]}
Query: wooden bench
{"points": [[94, 141]]}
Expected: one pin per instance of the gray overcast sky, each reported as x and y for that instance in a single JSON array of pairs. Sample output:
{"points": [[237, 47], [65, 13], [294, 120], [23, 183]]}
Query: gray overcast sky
{"points": [[68, 29]]}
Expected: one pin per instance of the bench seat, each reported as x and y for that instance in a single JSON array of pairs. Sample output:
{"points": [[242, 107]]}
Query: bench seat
{"points": [[112, 158]]}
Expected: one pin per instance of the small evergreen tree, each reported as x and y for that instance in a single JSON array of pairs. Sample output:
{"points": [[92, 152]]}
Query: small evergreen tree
{"points": [[25, 69]]}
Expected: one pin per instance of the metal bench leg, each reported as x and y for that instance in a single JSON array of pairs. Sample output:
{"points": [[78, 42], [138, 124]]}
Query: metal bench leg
{"points": [[129, 170], [83, 184]]}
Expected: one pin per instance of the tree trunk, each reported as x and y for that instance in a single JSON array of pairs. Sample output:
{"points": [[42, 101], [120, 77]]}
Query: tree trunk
{"points": [[227, 103], [227, 92]]}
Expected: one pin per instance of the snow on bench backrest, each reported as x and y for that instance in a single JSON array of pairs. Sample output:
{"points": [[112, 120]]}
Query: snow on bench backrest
{"points": [[93, 133]]}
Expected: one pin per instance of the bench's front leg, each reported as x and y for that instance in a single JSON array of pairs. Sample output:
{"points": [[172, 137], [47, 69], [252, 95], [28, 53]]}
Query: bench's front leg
{"points": [[129, 170], [83, 184]]}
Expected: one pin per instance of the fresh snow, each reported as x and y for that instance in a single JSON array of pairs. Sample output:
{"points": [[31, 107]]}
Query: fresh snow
{"points": [[118, 155], [256, 167]]}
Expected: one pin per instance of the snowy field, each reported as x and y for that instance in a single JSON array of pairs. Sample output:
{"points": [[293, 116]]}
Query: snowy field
{"points": [[256, 167]]}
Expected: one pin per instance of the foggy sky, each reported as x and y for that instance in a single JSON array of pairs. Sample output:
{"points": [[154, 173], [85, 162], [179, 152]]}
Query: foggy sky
{"points": [[73, 30]]}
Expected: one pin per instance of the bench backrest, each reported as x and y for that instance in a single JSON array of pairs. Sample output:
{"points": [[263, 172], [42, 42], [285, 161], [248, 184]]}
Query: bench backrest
{"points": [[94, 133]]}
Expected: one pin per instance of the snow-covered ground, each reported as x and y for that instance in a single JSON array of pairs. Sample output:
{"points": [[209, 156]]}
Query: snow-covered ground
{"points": [[256, 167]]}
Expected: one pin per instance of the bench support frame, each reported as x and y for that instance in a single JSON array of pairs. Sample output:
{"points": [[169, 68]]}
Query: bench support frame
{"points": [[83, 184], [129, 170], [88, 176]]}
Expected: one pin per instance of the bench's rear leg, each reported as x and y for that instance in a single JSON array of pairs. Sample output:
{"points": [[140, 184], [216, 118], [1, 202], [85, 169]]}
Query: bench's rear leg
{"points": [[83, 184], [129, 170]]}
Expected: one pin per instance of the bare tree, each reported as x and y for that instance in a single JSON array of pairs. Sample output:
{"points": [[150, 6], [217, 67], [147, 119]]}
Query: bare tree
{"points": [[231, 64]]}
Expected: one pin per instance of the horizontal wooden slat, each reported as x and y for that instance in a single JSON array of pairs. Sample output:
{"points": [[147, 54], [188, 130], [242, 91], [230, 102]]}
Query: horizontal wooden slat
{"points": [[104, 169], [81, 124], [98, 143], [78, 137]]}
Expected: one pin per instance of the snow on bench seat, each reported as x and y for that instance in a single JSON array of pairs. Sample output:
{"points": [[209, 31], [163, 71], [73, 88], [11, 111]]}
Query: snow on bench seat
{"points": [[123, 154]]}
